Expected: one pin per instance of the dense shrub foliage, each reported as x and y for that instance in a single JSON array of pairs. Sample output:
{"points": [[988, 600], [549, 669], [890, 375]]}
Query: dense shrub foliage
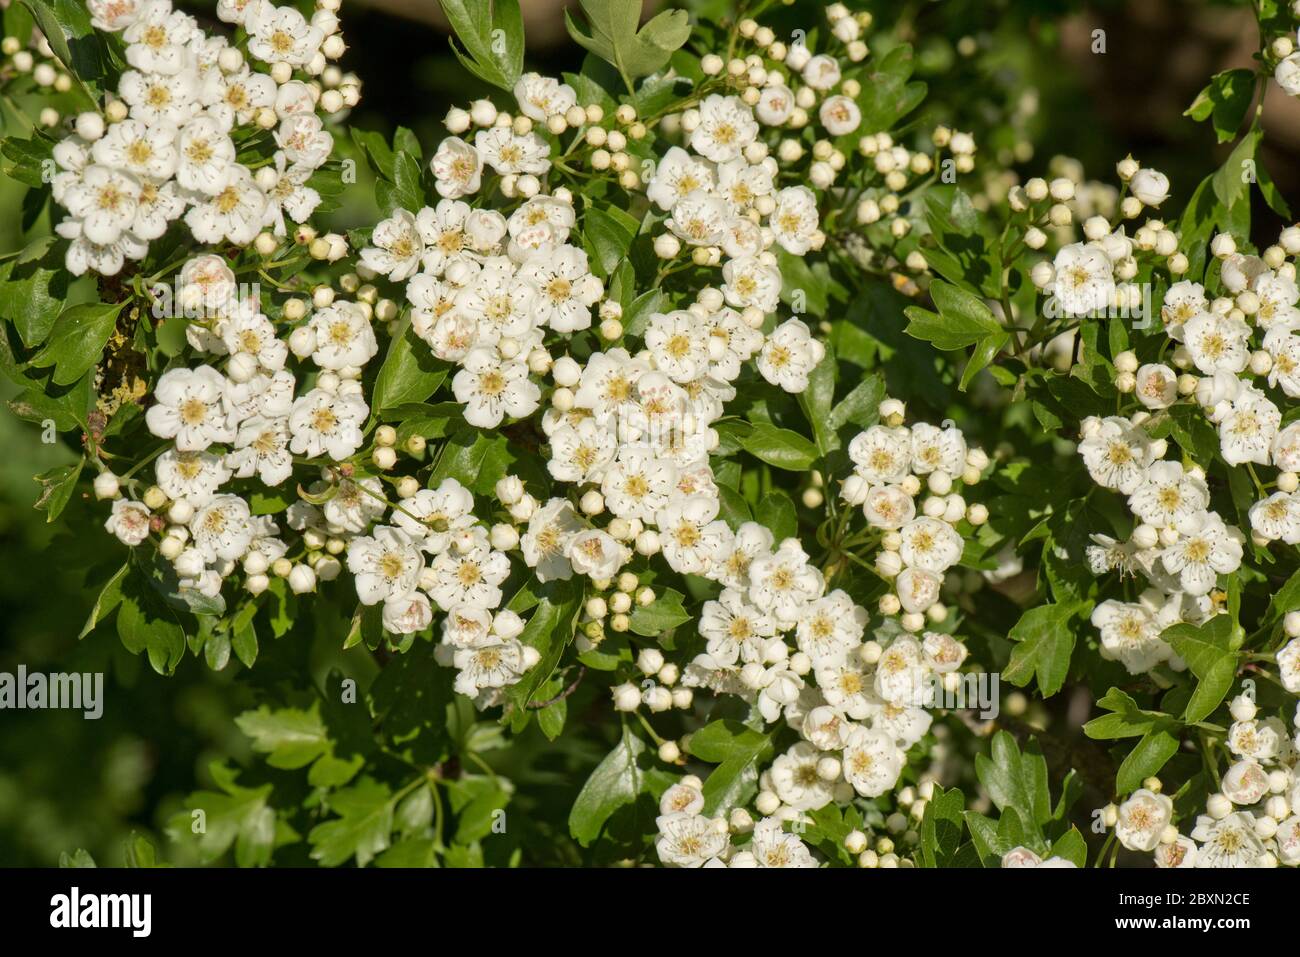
{"points": [[704, 457]]}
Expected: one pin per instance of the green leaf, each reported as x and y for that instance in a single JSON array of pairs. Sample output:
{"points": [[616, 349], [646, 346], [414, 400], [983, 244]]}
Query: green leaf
{"points": [[289, 737], [942, 827], [146, 624], [410, 373], [109, 597], [1152, 752], [74, 40], [1207, 650], [616, 781], [738, 751], [777, 512], [1126, 719], [235, 815], [492, 34], [549, 630], [661, 615], [608, 235], [79, 336], [1016, 781], [781, 448], [57, 488], [1072, 847], [861, 407], [1044, 642], [1231, 183], [1226, 99], [612, 34], [31, 296], [816, 402], [406, 190], [963, 320], [363, 828]]}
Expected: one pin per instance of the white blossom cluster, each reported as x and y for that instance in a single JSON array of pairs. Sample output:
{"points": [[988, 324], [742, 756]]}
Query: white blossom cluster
{"points": [[1253, 820], [1178, 543], [174, 142], [892, 463]]}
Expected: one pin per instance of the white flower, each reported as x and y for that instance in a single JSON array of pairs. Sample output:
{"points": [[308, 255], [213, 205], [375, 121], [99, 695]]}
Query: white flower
{"points": [[775, 105], [638, 484], [751, 282], [1246, 432], [1117, 454], [1085, 281], [223, 528], [917, 589], [676, 176], [105, 202], [688, 840], [234, 213], [678, 342], [545, 544], [354, 506], [344, 336], [161, 98], [1277, 518], [784, 583], [157, 38], [1169, 497], [205, 154], [304, 140], [1288, 665], [138, 149], [1157, 386], [937, 450], [901, 673], [1230, 842], [457, 168], [1142, 819], [282, 35], [397, 249], [327, 423], [193, 476], [190, 408], [236, 97], [726, 127], [872, 762], [251, 333], [930, 545], [700, 218], [579, 453], [1287, 74], [1181, 853], [508, 153], [491, 388], [839, 115], [691, 538], [1151, 187], [1130, 635], [821, 72], [114, 16], [129, 521], [1217, 343], [262, 446], [541, 97], [470, 574], [1182, 301], [789, 356], [386, 564], [432, 516], [734, 629], [565, 288], [491, 666], [794, 221], [597, 555], [830, 627], [407, 614], [1286, 448], [289, 193], [770, 846], [1208, 549]]}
